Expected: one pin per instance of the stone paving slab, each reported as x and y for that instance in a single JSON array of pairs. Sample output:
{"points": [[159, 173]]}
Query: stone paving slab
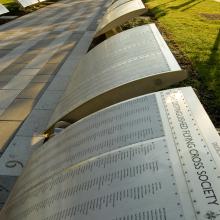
{"points": [[18, 110], [7, 129], [25, 58], [58, 57], [6, 78], [7, 97], [32, 90], [12, 69], [18, 82], [42, 78], [10, 46], [49, 69]]}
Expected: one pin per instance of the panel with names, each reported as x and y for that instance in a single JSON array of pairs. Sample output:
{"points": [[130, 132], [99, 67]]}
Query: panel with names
{"points": [[108, 74], [132, 181], [115, 127], [172, 172]]}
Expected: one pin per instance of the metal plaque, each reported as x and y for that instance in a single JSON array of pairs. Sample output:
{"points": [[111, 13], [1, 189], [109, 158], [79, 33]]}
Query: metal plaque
{"points": [[3, 9], [109, 130], [119, 14], [129, 64], [153, 157]]}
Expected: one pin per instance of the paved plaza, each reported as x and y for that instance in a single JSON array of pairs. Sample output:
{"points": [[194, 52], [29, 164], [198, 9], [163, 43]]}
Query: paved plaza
{"points": [[38, 54]]}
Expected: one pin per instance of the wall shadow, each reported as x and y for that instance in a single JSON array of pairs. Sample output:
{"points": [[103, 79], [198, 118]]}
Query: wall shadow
{"points": [[182, 5], [158, 11], [210, 81], [192, 5]]}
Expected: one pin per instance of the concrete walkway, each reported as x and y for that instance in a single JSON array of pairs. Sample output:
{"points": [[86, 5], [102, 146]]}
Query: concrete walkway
{"points": [[38, 54]]}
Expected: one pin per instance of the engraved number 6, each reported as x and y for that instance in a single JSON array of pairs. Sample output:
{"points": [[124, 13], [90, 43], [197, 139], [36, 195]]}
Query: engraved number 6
{"points": [[13, 163]]}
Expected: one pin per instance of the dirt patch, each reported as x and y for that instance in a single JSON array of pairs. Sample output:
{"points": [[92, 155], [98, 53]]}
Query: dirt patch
{"points": [[211, 16]]}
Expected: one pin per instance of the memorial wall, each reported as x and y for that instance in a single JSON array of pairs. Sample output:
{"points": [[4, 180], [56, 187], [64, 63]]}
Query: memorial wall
{"points": [[119, 13], [131, 151], [150, 157], [126, 65]]}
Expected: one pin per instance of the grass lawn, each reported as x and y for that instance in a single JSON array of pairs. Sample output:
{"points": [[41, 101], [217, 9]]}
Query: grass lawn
{"points": [[194, 26], [4, 2]]}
